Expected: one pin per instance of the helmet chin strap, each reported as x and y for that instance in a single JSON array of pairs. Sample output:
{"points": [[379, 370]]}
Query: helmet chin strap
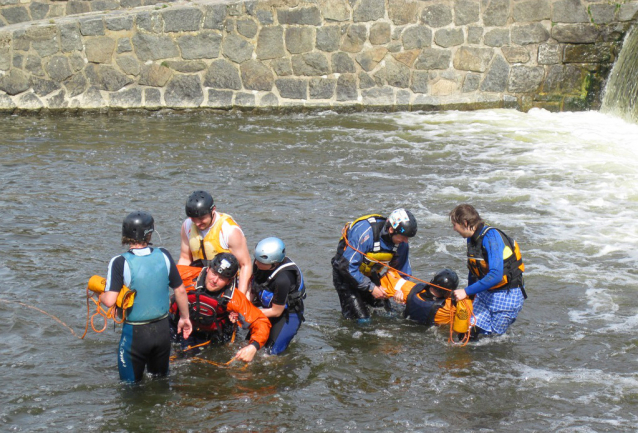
{"points": [[386, 235]]}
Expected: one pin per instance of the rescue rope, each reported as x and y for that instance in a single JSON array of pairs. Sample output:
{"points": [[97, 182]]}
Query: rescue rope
{"points": [[110, 314], [466, 337], [206, 343], [90, 319], [43, 312], [468, 334], [216, 364], [345, 238]]}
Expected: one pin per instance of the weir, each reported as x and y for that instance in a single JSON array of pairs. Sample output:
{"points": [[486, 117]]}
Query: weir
{"points": [[296, 54], [621, 92]]}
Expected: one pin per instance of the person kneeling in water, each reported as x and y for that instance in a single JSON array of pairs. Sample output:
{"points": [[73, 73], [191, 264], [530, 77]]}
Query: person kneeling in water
{"points": [[216, 295], [278, 289]]}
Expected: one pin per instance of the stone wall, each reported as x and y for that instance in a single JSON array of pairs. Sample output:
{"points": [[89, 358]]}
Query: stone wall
{"points": [[380, 54], [19, 11]]}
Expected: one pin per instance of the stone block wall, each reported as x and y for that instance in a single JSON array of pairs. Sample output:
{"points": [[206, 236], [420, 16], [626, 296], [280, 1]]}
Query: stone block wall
{"points": [[381, 54], [19, 11]]}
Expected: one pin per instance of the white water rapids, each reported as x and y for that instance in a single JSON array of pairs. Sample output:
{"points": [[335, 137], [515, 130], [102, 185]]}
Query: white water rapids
{"points": [[564, 185]]}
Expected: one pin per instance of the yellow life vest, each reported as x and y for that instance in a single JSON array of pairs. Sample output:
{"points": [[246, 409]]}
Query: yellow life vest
{"points": [[373, 260], [207, 247]]}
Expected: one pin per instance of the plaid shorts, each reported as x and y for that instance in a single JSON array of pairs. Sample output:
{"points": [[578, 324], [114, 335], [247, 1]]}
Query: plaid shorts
{"points": [[495, 311]]}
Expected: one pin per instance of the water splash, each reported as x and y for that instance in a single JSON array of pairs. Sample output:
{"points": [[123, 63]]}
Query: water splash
{"points": [[621, 93]]}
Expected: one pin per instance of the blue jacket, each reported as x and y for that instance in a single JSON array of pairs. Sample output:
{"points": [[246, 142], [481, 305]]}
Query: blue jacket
{"points": [[494, 246], [360, 237]]}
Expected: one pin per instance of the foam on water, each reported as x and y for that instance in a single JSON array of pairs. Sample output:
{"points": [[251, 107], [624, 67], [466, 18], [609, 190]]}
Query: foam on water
{"points": [[574, 177], [564, 185]]}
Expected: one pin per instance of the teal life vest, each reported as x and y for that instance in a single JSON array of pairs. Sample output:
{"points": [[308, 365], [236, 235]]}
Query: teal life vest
{"points": [[149, 278]]}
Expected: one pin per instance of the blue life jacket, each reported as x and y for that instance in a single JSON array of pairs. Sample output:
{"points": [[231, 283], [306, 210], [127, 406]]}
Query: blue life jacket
{"points": [[421, 306], [296, 296], [149, 278]]}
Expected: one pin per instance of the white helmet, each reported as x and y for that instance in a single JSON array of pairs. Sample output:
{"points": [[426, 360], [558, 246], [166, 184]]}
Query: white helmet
{"points": [[403, 222]]}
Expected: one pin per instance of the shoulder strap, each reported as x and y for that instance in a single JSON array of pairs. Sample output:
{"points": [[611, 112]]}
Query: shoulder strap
{"points": [[372, 219], [280, 268]]}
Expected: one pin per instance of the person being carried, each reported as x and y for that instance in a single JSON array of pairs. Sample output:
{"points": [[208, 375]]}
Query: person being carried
{"points": [[278, 289], [366, 242], [206, 233], [426, 303], [150, 272], [216, 296], [495, 272]]}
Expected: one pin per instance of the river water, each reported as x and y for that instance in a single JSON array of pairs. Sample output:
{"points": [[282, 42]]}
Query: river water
{"points": [[564, 185]]}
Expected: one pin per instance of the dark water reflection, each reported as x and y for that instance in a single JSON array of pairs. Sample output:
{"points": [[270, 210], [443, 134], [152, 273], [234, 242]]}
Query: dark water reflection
{"points": [[563, 184]]}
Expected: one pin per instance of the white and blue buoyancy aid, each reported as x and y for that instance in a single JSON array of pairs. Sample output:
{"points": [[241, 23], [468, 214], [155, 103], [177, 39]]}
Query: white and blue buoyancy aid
{"points": [[149, 278], [295, 296]]}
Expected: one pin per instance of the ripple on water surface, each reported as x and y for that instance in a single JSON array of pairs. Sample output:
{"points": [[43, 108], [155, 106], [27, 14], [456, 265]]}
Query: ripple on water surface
{"points": [[564, 185]]}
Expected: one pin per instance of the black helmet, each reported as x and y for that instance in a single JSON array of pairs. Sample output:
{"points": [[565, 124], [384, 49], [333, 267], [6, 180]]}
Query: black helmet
{"points": [[403, 222], [137, 225], [199, 203], [447, 279], [225, 264]]}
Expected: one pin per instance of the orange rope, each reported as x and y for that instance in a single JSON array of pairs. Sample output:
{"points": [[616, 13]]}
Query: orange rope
{"points": [[345, 238], [43, 312], [90, 319], [216, 364], [466, 338], [105, 314], [195, 358], [232, 340]]}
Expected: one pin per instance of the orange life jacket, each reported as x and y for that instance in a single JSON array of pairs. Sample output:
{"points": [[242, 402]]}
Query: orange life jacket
{"points": [[513, 266]]}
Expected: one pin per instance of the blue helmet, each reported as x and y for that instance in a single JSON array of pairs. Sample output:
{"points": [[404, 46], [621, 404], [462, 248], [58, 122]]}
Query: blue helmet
{"points": [[270, 250]]}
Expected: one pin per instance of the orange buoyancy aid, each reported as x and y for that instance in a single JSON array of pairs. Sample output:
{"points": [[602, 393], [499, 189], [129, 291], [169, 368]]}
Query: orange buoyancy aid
{"points": [[513, 266], [207, 247], [391, 282]]}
